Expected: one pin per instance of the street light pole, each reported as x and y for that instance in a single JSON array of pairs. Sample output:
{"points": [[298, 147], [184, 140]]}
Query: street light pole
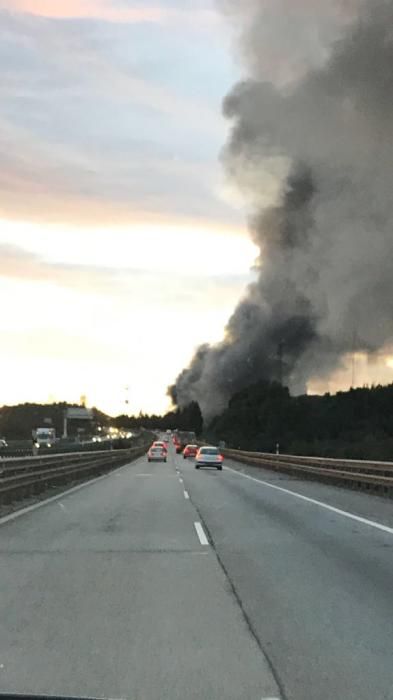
{"points": [[279, 355]]}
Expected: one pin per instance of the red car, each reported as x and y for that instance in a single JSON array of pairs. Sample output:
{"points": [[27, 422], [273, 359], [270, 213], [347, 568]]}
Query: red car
{"points": [[190, 451]]}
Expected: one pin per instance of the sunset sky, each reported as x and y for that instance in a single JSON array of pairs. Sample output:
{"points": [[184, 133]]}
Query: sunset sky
{"points": [[122, 246]]}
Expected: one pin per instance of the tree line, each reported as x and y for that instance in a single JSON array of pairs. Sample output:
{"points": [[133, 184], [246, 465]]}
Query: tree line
{"points": [[188, 418], [17, 422], [355, 424]]}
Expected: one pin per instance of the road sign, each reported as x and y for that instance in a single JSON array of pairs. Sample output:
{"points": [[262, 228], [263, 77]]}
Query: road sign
{"points": [[79, 413]]}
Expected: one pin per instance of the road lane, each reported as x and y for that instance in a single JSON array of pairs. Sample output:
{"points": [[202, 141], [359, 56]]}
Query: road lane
{"points": [[364, 504], [109, 592], [315, 586]]}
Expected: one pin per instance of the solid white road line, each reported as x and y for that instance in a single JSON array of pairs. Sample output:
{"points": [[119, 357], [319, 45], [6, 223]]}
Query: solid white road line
{"points": [[186, 496], [201, 533], [321, 504], [23, 511]]}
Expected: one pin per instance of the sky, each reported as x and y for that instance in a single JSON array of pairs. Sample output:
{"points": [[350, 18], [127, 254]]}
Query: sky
{"points": [[122, 246]]}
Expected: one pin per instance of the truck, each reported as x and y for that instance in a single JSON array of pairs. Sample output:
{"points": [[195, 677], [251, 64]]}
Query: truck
{"points": [[183, 438], [44, 437]]}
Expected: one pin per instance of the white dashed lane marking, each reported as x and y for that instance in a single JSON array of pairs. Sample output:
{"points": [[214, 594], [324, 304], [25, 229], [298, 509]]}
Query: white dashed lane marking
{"points": [[201, 534]]}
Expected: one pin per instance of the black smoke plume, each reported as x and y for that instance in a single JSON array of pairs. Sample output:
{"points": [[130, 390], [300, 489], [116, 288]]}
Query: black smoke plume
{"points": [[323, 129]]}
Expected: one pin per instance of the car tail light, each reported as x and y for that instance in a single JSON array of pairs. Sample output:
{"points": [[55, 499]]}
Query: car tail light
{"points": [[221, 458]]}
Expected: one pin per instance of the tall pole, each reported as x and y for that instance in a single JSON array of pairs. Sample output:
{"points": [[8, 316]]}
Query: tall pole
{"points": [[353, 376], [279, 357], [280, 380], [65, 425], [353, 371]]}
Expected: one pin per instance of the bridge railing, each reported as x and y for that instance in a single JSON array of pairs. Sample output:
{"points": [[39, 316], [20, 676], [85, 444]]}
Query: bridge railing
{"points": [[26, 476], [358, 474]]}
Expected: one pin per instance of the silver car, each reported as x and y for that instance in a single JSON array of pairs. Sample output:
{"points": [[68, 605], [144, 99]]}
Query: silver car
{"points": [[209, 457], [156, 454]]}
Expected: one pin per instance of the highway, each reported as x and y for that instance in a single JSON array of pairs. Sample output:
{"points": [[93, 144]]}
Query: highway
{"points": [[160, 581]]}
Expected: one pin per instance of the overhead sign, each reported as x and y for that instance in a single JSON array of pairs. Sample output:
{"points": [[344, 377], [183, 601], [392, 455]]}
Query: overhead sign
{"points": [[79, 413]]}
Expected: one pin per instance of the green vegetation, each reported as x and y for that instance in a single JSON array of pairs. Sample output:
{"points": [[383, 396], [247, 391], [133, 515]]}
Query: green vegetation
{"points": [[187, 419], [356, 424], [17, 422]]}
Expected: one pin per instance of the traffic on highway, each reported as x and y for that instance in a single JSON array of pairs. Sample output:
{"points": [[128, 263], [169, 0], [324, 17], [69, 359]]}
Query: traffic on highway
{"points": [[196, 389], [203, 584]]}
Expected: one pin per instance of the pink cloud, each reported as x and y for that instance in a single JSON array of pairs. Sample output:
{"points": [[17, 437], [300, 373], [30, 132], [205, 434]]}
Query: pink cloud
{"points": [[105, 10], [17, 263], [83, 8]]}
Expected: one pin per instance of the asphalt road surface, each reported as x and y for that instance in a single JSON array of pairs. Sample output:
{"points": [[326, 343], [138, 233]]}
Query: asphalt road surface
{"points": [[160, 581]]}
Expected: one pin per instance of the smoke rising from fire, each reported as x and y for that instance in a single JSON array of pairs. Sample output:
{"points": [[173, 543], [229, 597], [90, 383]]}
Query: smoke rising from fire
{"points": [[319, 117]]}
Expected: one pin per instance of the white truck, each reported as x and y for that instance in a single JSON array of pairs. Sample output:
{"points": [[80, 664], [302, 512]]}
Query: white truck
{"points": [[44, 437]]}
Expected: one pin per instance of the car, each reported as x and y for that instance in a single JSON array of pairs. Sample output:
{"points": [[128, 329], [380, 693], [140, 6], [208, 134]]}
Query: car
{"points": [[160, 443], [190, 451], [3, 443], [157, 454], [209, 456], [184, 438]]}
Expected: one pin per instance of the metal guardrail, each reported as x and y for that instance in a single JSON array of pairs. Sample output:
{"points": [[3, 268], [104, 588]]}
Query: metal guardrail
{"points": [[359, 474], [26, 476], [59, 448]]}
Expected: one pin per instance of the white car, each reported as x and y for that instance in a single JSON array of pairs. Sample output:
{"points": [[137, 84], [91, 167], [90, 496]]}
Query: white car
{"points": [[159, 443], [156, 454], [208, 456]]}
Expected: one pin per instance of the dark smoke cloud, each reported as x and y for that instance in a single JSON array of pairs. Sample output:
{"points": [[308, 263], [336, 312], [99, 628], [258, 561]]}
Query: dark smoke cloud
{"points": [[326, 246]]}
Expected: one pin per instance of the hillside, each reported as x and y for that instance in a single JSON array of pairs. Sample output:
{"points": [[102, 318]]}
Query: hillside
{"points": [[353, 424], [17, 422]]}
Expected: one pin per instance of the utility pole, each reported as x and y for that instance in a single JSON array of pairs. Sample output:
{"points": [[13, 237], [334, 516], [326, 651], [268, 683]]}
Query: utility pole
{"points": [[126, 400], [280, 380], [353, 372], [279, 358], [65, 423]]}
